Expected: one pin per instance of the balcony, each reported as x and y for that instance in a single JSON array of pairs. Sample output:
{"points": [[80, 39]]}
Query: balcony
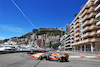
{"points": [[86, 34], [92, 9], [93, 21], [85, 12], [77, 34], [71, 30], [76, 25], [96, 1], [98, 15], [68, 38], [72, 27], [71, 24], [86, 29], [81, 42], [92, 14], [95, 39], [91, 4], [98, 32], [77, 29], [98, 23], [68, 41], [94, 27], [71, 41], [72, 33], [71, 37], [93, 33], [86, 17], [76, 21], [85, 23], [86, 41], [97, 8], [77, 38]]}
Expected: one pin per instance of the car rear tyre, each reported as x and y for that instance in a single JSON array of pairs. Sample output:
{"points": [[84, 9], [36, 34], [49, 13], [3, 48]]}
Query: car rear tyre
{"points": [[60, 60]]}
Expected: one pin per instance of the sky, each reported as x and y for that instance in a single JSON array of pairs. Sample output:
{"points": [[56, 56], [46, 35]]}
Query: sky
{"points": [[30, 14]]}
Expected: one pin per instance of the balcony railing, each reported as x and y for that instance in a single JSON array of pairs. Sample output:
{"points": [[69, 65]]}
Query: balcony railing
{"points": [[72, 27], [85, 12], [98, 15], [86, 41], [91, 4], [86, 34], [77, 38], [85, 23], [95, 39], [76, 25], [92, 14], [77, 29], [89, 34], [77, 21], [98, 23], [92, 27], [96, 1], [71, 30], [85, 17], [97, 8], [98, 31], [77, 34], [92, 9], [93, 33], [86, 28], [93, 20]]}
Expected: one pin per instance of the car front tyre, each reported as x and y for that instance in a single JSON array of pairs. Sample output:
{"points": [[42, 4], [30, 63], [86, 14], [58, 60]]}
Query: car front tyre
{"points": [[40, 58]]}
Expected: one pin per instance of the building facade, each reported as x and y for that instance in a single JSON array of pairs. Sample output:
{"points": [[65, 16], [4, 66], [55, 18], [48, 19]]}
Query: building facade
{"points": [[85, 28], [62, 41], [67, 29]]}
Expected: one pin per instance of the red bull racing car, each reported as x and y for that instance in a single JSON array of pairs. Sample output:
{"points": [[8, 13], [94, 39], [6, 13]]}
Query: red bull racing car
{"points": [[55, 56]]}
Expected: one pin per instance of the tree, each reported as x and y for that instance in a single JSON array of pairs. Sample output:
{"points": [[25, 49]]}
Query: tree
{"points": [[75, 14], [55, 46], [82, 6]]}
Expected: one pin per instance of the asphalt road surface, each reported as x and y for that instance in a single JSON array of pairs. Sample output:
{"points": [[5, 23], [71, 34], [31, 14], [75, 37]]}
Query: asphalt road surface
{"points": [[23, 60]]}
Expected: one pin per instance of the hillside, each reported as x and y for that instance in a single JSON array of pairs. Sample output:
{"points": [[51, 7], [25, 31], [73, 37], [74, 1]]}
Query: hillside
{"points": [[40, 31], [49, 31]]}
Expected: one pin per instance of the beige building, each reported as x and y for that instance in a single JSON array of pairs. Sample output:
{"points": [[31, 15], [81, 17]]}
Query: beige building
{"points": [[68, 42], [85, 28]]}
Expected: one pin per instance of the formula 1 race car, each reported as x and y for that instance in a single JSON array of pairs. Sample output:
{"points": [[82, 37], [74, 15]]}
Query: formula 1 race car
{"points": [[55, 56]]}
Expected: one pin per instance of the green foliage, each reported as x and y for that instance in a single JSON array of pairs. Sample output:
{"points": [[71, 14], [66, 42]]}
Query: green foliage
{"points": [[52, 32], [82, 6], [35, 30], [55, 46], [41, 31], [75, 14]]}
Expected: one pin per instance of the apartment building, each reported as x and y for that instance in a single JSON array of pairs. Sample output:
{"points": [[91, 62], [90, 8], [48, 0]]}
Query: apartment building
{"points": [[85, 28], [68, 42]]}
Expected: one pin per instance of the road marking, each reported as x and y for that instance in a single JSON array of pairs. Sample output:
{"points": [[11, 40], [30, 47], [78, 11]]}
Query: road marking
{"points": [[84, 56], [36, 55]]}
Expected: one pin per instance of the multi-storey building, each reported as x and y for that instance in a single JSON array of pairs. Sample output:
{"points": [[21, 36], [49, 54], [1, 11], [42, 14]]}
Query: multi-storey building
{"points": [[85, 28], [68, 42], [67, 29]]}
